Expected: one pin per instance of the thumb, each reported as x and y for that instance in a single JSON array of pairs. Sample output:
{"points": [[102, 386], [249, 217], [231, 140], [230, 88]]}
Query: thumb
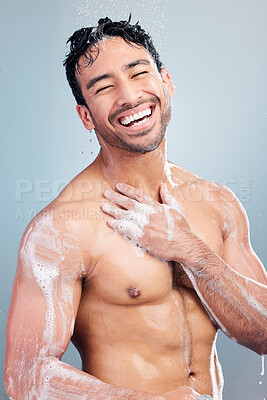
{"points": [[168, 199], [166, 196]]}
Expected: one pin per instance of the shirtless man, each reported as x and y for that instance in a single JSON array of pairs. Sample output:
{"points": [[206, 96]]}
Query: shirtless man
{"points": [[137, 261]]}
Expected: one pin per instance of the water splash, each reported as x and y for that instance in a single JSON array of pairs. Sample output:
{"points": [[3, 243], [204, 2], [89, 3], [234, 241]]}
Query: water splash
{"points": [[262, 365], [262, 369], [152, 16]]}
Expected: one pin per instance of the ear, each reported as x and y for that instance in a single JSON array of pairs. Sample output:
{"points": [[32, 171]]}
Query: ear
{"points": [[85, 116], [167, 81]]}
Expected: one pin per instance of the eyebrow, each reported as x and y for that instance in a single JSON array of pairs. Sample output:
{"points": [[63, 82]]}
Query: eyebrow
{"points": [[133, 64], [142, 61], [93, 81]]}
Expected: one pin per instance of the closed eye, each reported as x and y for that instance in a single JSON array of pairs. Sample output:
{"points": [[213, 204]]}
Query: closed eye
{"points": [[103, 88], [140, 73]]}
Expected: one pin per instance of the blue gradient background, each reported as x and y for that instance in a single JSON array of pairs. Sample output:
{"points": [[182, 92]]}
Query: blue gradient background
{"points": [[216, 53]]}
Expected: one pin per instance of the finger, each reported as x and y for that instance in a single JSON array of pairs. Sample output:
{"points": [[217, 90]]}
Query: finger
{"points": [[111, 210], [168, 199], [134, 193], [120, 200], [119, 213], [166, 196], [126, 228]]}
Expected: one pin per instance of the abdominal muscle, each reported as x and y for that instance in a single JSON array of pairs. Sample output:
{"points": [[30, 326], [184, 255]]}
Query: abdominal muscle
{"points": [[154, 346]]}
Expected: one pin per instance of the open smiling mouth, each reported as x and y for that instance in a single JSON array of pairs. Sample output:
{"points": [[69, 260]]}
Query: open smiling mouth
{"points": [[137, 119]]}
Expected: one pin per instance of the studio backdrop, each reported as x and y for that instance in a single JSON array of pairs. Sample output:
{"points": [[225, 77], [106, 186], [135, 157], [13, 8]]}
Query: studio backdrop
{"points": [[216, 54]]}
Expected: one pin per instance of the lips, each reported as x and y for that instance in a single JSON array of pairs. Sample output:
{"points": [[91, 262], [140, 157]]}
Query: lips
{"points": [[135, 119]]}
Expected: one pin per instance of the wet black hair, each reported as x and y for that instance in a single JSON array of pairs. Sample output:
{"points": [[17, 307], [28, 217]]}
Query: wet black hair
{"points": [[82, 41]]}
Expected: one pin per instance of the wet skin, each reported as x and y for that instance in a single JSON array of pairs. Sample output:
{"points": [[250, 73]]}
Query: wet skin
{"points": [[139, 322]]}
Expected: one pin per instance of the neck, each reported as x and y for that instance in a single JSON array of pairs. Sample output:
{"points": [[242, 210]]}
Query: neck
{"points": [[143, 171]]}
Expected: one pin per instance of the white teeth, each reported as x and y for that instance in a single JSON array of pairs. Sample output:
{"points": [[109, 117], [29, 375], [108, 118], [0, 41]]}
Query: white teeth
{"points": [[147, 111], [133, 117], [140, 122]]}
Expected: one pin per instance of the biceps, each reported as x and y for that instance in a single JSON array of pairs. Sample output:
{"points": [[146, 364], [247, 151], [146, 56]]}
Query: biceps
{"points": [[41, 316], [238, 254]]}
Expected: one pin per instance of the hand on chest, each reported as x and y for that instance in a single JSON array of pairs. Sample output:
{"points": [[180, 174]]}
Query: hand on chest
{"points": [[126, 274]]}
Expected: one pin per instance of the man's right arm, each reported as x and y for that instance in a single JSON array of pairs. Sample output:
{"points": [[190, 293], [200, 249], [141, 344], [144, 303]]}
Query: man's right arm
{"points": [[44, 304]]}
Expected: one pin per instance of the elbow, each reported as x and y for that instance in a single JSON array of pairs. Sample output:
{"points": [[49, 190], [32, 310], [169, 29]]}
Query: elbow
{"points": [[261, 349], [257, 345], [255, 340], [10, 385], [12, 380], [24, 376], [18, 376], [260, 346]]}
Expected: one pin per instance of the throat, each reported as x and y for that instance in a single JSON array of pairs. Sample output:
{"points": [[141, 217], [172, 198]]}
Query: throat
{"points": [[142, 171]]}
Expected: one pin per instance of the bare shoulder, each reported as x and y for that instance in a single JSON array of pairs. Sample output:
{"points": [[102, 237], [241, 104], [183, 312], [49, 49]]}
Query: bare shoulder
{"points": [[191, 185], [179, 175], [49, 241], [65, 228], [222, 203], [79, 205], [210, 191], [229, 207], [86, 186], [212, 194]]}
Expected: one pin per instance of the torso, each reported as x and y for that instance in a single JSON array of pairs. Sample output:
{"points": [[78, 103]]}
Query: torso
{"points": [[140, 324]]}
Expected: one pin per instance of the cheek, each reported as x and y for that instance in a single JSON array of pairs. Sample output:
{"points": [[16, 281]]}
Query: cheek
{"points": [[98, 112], [156, 86]]}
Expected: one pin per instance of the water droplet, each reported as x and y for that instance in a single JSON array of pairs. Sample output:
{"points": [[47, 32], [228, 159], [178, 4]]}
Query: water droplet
{"points": [[262, 365]]}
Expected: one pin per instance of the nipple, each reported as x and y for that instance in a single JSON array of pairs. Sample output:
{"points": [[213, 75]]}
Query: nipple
{"points": [[133, 292]]}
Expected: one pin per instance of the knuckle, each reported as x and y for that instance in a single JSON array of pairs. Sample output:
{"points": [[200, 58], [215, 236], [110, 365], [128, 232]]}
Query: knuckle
{"points": [[127, 203]]}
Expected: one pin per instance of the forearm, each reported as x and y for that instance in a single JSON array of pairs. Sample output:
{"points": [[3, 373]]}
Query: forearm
{"points": [[51, 379], [237, 304]]}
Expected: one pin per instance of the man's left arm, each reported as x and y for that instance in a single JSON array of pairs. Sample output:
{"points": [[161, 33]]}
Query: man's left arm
{"points": [[232, 288]]}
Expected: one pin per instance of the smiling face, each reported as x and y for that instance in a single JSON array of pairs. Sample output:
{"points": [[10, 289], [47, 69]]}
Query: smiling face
{"points": [[128, 99]]}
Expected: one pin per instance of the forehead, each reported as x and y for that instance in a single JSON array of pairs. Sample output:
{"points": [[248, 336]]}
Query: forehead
{"points": [[117, 45], [113, 52]]}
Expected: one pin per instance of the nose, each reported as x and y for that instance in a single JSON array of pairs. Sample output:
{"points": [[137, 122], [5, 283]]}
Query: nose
{"points": [[128, 93]]}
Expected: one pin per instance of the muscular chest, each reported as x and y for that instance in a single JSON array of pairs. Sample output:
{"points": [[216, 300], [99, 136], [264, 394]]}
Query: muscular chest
{"points": [[126, 274]]}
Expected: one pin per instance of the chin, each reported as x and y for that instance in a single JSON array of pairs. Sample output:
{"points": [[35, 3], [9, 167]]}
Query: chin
{"points": [[143, 148]]}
